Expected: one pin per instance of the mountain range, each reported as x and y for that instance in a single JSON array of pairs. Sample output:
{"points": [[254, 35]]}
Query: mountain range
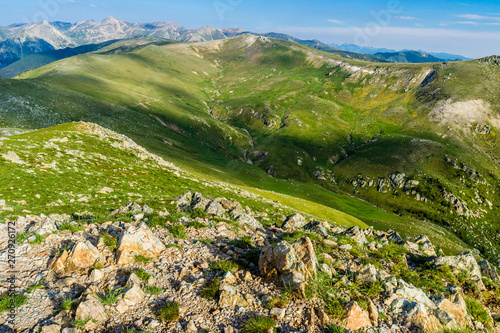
{"points": [[22, 40], [388, 144]]}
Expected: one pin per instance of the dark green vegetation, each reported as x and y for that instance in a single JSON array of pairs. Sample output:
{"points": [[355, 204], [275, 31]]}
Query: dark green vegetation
{"points": [[311, 123], [169, 312], [9, 300], [414, 57], [258, 324]]}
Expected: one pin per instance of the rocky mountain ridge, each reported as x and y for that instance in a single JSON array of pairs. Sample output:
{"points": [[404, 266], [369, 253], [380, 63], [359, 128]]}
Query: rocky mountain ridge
{"points": [[208, 266]]}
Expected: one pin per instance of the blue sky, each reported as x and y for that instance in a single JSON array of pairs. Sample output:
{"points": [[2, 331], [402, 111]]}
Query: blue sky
{"points": [[470, 28]]}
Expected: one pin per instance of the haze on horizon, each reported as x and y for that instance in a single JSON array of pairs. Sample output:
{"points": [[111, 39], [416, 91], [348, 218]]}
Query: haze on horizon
{"points": [[469, 28]]}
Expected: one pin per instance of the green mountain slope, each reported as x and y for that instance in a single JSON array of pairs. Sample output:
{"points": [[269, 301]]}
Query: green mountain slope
{"points": [[44, 58], [277, 116], [414, 57]]}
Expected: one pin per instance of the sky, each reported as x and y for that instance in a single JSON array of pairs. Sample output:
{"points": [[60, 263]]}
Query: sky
{"points": [[469, 28]]}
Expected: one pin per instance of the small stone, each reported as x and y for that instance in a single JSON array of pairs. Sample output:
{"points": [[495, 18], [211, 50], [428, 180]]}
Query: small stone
{"points": [[346, 247], [278, 313], [51, 329]]}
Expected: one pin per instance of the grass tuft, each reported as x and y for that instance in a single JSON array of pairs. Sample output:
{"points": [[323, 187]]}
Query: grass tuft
{"points": [[178, 231], [9, 300], [169, 312], [258, 324], [211, 289]]}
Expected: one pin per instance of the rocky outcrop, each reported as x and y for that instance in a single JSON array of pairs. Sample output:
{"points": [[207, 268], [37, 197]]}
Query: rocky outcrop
{"points": [[465, 263], [135, 241], [356, 319], [294, 222], [84, 255], [295, 264], [92, 309]]}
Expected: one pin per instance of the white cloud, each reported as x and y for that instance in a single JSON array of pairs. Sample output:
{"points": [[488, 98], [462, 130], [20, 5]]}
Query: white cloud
{"points": [[93, 6], [407, 18], [335, 21], [478, 17]]}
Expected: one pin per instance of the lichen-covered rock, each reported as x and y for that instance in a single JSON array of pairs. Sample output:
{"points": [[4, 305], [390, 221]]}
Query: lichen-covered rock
{"points": [[294, 222], [489, 271], [367, 275], [135, 241], [248, 220], [464, 262], [356, 319], [295, 264], [92, 309], [84, 255]]}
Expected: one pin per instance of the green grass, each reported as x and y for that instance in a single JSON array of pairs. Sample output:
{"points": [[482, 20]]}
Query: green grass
{"points": [[244, 242], [142, 274], [80, 323], [280, 301], [332, 328], [174, 246], [110, 241], [178, 231], [10, 300], [224, 266], [67, 303], [71, 227], [258, 324], [38, 240], [477, 311], [21, 237], [110, 297], [197, 225], [152, 290], [211, 289], [169, 312], [140, 259], [36, 286]]}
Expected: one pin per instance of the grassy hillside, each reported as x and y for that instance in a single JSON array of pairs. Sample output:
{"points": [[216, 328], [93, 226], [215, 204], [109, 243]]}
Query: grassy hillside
{"points": [[281, 117]]}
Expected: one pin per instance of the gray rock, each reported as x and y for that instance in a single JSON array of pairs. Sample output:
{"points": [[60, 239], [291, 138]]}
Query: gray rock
{"points": [[135, 241], [91, 308], [317, 227], [131, 207], [248, 220], [294, 264], [214, 208], [357, 234], [464, 262], [293, 222], [184, 201], [489, 271], [368, 275]]}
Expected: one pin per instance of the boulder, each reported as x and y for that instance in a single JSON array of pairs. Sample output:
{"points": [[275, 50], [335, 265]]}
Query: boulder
{"points": [[293, 222], [418, 315], [357, 234], [91, 308], [183, 201], [489, 271], [248, 220], [51, 329], [367, 275], [295, 264], [425, 246], [317, 227], [84, 255], [57, 264], [214, 208], [138, 240], [230, 297], [133, 295], [454, 307], [131, 207], [413, 294], [356, 319], [96, 276], [464, 262]]}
